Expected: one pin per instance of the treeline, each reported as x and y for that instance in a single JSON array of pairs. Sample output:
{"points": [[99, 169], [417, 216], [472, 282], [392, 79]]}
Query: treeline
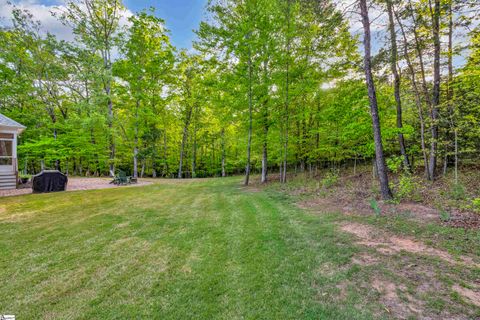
{"points": [[272, 86]]}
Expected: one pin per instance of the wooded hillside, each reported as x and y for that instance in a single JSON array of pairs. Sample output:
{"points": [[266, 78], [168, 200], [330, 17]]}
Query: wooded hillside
{"points": [[271, 86]]}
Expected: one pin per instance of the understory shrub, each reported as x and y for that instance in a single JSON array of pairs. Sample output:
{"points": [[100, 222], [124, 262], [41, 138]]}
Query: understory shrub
{"points": [[375, 207], [394, 164], [476, 204], [444, 215], [331, 178], [457, 192], [408, 188]]}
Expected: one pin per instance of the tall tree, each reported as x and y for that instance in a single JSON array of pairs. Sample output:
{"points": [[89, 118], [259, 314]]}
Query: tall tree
{"points": [[435, 13], [372, 96], [396, 83], [96, 23], [147, 59], [283, 175]]}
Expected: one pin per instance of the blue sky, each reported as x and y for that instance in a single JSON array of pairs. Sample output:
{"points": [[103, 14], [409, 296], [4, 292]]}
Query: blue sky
{"points": [[181, 16]]}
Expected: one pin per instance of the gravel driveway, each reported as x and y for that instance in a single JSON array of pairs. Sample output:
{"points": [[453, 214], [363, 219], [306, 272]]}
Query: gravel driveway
{"points": [[77, 184]]}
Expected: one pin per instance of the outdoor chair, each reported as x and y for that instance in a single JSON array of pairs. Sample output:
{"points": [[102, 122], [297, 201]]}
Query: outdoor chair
{"points": [[121, 178]]}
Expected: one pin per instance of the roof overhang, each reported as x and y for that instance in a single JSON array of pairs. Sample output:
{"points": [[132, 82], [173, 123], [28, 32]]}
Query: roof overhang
{"points": [[9, 125], [12, 129]]}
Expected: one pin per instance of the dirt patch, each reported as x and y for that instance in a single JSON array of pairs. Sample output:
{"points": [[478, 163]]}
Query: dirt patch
{"points": [[365, 259], [342, 290], [360, 230], [397, 301], [471, 296], [351, 194], [390, 244], [387, 289], [416, 211], [329, 269]]}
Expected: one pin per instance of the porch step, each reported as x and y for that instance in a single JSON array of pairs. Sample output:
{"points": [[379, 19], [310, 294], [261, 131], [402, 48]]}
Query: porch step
{"points": [[8, 187], [5, 178], [7, 181]]}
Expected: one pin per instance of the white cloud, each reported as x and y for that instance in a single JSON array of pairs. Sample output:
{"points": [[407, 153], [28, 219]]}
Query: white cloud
{"points": [[40, 12], [43, 13]]}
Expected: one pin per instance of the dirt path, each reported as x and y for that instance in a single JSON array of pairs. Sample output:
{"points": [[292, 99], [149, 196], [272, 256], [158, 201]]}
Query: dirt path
{"points": [[414, 278], [389, 244], [75, 184]]}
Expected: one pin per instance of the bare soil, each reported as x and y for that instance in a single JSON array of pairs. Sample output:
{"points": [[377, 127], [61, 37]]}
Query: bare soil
{"points": [[472, 296], [390, 244], [414, 282], [352, 194]]}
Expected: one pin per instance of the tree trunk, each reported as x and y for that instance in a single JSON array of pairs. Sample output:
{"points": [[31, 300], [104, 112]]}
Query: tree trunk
{"points": [[450, 88], [265, 128], [224, 174], [112, 141], [135, 142], [57, 161], [418, 101], [264, 163], [355, 165], [436, 87], [250, 120], [194, 146], [165, 151], [456, 157], [142, 172], [188, 117], [418, 48], [287, 84], [380, 160], [182, 148], [108, 87], [396, 84]]}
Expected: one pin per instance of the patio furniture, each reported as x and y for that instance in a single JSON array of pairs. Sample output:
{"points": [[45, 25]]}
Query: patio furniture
{"points": [[121, 178], [49, 181]]}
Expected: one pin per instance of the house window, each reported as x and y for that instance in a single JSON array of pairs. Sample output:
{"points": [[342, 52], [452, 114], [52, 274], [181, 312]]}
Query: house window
{"points": [[6, 152], [8, 136]]}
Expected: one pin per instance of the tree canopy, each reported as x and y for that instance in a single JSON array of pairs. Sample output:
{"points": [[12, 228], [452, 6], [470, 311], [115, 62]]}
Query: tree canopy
{"points": [[270, 85]]}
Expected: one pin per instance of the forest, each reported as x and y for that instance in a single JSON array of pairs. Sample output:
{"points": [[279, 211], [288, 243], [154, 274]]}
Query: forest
{"points": [[270, 87]]}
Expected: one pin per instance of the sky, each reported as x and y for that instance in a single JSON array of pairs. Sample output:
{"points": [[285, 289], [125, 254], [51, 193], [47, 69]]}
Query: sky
{"points": [[181, 16]]}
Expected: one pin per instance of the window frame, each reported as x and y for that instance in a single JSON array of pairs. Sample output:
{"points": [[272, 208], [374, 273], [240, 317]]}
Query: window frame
{"points": [[12, 151]]}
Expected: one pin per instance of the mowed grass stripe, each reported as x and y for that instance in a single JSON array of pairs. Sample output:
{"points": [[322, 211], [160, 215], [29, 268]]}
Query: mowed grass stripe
{"points": [[204, 249]]}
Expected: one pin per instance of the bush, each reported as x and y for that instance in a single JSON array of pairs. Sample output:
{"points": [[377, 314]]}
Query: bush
{"points": [[375, 207], [331, 178], [444, 215], [458, 192], [394, 164], [476, 204], [408, 188]]}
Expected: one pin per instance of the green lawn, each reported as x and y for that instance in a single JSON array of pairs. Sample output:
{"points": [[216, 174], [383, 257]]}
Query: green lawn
{"points": [[205, 249]]}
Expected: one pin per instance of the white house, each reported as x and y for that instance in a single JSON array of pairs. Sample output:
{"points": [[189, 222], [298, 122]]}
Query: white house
{"points": [[9, 130]]}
